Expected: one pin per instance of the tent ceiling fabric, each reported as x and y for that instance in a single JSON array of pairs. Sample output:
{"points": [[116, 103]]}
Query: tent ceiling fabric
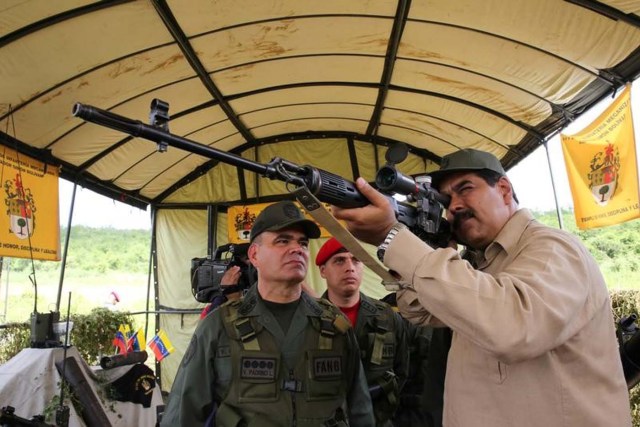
{"points": [[499, 75]]}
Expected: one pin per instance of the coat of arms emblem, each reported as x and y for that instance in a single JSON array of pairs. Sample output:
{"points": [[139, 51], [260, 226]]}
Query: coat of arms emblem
{"points": [[603, 177], [243, 223], [21, 208]]}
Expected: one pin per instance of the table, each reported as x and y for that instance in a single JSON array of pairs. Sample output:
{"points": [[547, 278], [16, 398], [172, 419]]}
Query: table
{"points": [[30, 380]]}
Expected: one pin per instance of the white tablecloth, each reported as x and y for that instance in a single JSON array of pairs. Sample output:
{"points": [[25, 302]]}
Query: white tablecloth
{"points": [[30, 380]]}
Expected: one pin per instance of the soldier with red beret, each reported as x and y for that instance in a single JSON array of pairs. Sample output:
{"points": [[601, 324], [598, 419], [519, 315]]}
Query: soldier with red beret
{"points": [[379, 329]]}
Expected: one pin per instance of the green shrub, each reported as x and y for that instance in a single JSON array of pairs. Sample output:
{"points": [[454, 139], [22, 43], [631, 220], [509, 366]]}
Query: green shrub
{"points": [[13, 338], [93, 333]]}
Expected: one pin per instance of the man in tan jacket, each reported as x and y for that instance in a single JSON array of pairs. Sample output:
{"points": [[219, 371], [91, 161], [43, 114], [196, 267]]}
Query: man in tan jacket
{"points": [[533, 333]]}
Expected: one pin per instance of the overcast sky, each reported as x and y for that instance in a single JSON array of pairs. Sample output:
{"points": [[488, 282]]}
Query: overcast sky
{"points": [[531, 180]]}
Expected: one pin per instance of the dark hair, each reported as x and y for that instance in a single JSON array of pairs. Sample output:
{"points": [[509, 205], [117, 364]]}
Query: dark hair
{"points": [[492, 178]]}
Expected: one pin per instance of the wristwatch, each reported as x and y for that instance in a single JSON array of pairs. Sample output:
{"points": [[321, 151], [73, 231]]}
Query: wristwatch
{"points": [[385, 244]]}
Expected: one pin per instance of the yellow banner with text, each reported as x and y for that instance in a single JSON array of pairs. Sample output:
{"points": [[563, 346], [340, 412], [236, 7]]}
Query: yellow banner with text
{"points": [[31, 224], [602, 167]]}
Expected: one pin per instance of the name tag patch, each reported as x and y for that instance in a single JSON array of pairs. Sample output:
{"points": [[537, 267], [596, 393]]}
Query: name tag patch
{"points": [[327, 367], [262, 368]]}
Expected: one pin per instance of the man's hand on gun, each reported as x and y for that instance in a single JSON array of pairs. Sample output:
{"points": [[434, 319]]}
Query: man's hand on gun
{"points": [[370, 223]]}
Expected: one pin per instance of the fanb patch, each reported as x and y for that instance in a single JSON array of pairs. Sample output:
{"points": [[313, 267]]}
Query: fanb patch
{"points": [[387, 351], [223, 351], [258, 368], [327, 367]]}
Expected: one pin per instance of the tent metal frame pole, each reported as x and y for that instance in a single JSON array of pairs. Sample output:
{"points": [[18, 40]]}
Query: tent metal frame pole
{"points": [[553, 186], [66, 246], [149, 273], [156, 286], [212, 225], [5, 262]]}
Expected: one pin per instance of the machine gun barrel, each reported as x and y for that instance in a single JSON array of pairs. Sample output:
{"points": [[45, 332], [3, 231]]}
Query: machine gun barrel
{"points": [[142, 130], [425, 219]]}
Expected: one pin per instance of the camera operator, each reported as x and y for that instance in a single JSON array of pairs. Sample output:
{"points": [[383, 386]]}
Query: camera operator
{"points": [[533, 333], [231, 277]]}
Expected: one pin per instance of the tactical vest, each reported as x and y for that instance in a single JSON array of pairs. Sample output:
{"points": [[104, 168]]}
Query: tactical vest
{"points": [[264, 391], [378, 346]]}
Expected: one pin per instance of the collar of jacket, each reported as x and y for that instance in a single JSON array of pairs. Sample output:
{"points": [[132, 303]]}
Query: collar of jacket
{"points": [[367, 308], [252, 304]]}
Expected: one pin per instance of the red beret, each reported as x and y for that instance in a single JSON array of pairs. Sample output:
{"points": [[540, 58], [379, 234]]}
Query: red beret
{"points": [[329, 249]]}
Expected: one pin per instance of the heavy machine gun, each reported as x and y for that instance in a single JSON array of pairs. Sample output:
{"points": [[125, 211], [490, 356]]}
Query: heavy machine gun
{"points": [[424, 219]]}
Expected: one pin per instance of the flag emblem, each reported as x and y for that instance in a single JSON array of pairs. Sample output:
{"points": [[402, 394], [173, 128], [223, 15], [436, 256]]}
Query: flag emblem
{"points": [[603, 174], [21, 208], [602, 168]]}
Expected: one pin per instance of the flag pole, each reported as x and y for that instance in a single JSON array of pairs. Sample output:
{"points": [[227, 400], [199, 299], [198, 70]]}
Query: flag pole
{"points": [[553, 185], [66, 246]]}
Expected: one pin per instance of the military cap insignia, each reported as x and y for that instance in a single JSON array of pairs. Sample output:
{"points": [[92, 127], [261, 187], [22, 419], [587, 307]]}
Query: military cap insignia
{"points": [[291, 211]]}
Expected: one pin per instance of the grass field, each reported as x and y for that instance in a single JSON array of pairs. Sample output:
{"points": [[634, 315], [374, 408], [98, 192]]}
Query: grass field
{"points": [[87, 292]]}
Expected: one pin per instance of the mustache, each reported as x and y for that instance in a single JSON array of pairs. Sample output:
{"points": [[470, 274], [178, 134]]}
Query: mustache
{"points": [[460, 216]]}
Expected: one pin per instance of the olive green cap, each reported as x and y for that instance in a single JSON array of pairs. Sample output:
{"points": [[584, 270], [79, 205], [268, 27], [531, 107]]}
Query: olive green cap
{"points": [[282, 215], [463, 160]]}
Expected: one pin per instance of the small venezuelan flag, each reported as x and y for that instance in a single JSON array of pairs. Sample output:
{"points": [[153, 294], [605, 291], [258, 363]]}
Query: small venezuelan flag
{"points": [[160, 345], [136, 342], [120, 343]]}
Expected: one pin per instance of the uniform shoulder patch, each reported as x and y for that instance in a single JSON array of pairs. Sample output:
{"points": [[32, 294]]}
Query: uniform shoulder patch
{"points": [[315, 305], [366, 305], [247, 305], [191, 350]]}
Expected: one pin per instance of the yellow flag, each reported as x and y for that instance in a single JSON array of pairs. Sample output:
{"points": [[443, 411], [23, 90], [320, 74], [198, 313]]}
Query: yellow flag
{"points": [[31, 225], [602, 167]]}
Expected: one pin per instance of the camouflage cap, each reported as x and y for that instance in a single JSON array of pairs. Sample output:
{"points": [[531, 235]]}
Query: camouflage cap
{"points": [[463, 160], [281, 215]]}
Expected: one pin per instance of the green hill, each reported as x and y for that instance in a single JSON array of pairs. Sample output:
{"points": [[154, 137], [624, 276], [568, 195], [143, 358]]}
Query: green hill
{"points": [[616, 248], [99, 260], [104, 259]]}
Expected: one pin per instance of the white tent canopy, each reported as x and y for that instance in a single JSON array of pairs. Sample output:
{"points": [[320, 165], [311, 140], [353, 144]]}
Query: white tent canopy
{"points": [[328, 83]]}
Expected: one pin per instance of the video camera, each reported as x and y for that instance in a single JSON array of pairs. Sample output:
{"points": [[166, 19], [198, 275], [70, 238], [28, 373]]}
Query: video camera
{"points": [[206, 273]]}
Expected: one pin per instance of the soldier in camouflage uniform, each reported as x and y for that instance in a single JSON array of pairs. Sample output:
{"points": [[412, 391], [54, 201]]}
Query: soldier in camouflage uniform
{"points": [[380, 331], [276, 357], [421, 398]]}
